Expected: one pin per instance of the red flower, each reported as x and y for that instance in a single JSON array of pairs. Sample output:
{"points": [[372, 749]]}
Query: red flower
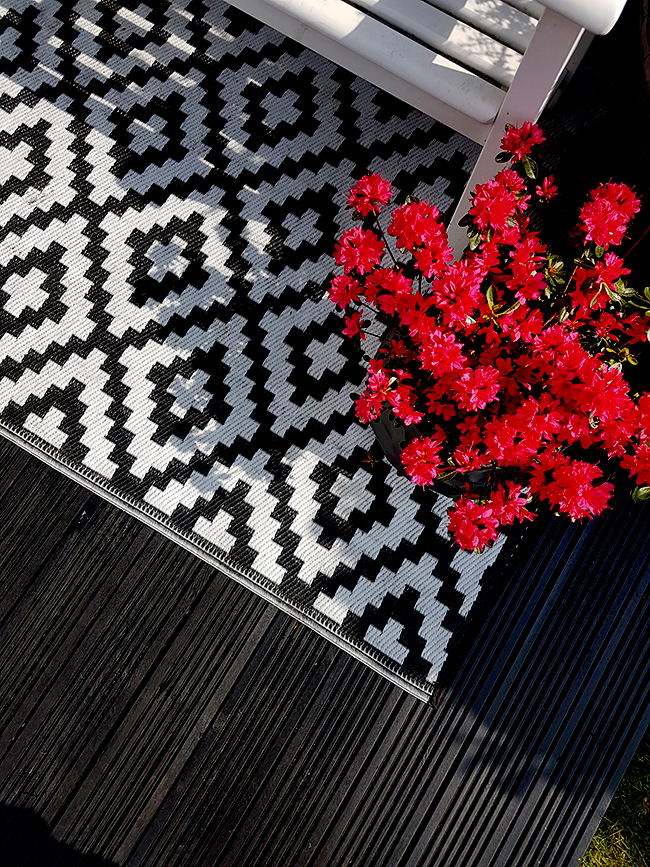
{"points": [[473, 525], [458, 292], [417, 224], [353, 326], [368, 193], [344, 290], [636, 328], [578, 497], [507, 507], [547, 189], [469, 455], [431, 260], [441, 353], [638, 464], [368, 407], [384, 282], [570, 487], [474, 389], [358, 249], [421, 458], [605, 217], [493, 206], [605, 324], [520, 141], [401, 399]]}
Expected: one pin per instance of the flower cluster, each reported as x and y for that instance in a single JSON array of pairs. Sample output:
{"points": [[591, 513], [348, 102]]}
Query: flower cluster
{"points": [[501, 363]]}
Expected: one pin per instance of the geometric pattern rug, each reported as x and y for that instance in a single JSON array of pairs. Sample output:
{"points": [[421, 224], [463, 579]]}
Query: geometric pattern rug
{"points": [[171, 184]]}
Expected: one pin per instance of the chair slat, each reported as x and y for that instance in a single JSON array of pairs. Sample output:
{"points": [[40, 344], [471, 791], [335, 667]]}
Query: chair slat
{"points": [[496, 18], [446, 35], [530, 7]]}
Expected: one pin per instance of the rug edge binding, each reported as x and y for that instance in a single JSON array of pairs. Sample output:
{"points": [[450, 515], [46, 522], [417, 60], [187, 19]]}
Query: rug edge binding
{"points": [[85, 477]]}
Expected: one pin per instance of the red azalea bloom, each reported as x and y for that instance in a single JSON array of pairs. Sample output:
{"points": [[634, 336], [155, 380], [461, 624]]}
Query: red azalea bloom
{"points": [[469, 455], [510, 505], [493, 206], [472, 525], [636, 328], [610, 270], [436, 407], [458, 292], [547, 189], [368, 193], [511, 180], [418, 224], [386, 280], [421, 458], [402, 402], [368, 407], [431, 260], [520, 141], [344, 290], [638, 463], [605, 217], [605, 325], [395, 282], [574, 493], [358, 249], [379, 381], [441, 353], [643, 413], [474, 389], [603, 223], [353, 326], [620, 195]]}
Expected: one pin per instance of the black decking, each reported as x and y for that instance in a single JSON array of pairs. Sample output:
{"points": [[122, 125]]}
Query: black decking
{"points": [[155, 713]]}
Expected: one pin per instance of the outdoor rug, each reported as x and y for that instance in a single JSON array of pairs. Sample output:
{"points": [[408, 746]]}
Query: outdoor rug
{"points": [[172, 180]]}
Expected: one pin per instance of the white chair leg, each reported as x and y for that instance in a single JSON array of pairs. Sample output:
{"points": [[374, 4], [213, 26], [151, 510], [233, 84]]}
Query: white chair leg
{"points": [[554, 42]]}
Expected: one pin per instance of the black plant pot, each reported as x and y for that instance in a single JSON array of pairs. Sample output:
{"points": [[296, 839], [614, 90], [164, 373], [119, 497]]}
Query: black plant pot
{"points": [[393, 437]]}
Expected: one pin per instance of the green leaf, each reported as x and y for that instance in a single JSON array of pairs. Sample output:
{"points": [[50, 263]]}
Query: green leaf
{"points": [[592, 303], [491, 297], [530, 167], [503, 158], [599, 252], [641, 493], [564, 315], [465, 221], [445, 475], [646, 292], [474, 240]]}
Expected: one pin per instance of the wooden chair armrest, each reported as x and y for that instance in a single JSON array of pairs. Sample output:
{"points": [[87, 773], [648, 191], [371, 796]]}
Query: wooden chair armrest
{"points": [[596, 16]]}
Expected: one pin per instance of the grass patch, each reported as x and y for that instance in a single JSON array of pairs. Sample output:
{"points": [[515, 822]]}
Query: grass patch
{"points": [[623, 838]]}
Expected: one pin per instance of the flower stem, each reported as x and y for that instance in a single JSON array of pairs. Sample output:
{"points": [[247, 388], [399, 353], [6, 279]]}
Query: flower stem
{"points": [[384, 238], [637, 242]]}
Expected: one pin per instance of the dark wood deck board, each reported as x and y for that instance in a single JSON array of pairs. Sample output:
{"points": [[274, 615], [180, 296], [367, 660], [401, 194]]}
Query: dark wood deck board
{"points": [[157, 714]]}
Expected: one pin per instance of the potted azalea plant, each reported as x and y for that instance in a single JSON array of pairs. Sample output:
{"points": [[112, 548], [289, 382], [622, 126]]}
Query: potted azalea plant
{"points": [[501, 379]]}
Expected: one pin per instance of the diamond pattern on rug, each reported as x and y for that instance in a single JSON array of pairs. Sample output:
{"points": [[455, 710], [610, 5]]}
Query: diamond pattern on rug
{"points": [[171, 181]]}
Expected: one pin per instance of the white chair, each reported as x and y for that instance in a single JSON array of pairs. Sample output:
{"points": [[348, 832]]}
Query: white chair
{"points": [[474, 65]]}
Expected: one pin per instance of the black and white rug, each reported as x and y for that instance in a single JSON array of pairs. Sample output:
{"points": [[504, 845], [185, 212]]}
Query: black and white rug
{"points": [[171, 182]]}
